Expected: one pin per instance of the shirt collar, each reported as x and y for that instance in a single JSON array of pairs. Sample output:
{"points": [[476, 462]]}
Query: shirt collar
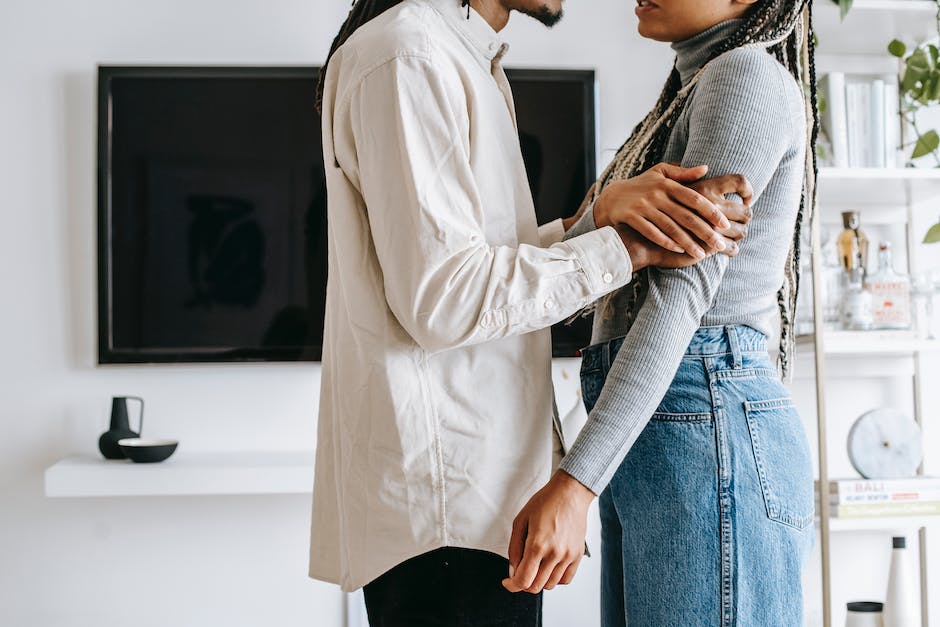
{"points": [[476, 29]]}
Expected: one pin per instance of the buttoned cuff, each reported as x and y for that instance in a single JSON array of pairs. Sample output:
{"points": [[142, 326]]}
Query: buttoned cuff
{"points": [[551, 233], [604, 260]]}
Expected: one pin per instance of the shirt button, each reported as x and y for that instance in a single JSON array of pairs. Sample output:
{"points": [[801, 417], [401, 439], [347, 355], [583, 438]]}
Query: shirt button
{"points": [[608, 277], [549, 304]]}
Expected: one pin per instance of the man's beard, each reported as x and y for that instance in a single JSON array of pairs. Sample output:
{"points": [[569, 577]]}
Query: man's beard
{"points": [[545, 15]]}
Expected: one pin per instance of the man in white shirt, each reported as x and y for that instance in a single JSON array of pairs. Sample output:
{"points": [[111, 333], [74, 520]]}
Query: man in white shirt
{"points": [[437, 420]]}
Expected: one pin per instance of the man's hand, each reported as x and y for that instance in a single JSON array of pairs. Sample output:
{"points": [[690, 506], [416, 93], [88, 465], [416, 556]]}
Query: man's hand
{"points": [[695, 220], [547, 541]]}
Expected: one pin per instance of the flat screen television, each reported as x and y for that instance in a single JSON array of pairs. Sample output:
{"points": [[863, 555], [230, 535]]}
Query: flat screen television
{"points": [[212, 206]]}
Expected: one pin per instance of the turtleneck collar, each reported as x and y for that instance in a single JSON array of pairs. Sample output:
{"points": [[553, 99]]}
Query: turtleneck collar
{"points": [[694, 52]]}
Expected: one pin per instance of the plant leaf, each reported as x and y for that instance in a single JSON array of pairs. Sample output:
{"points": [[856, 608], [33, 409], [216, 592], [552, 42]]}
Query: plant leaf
{"points": [[897, 48], [933, 235], [844, 7], [926, 144]]}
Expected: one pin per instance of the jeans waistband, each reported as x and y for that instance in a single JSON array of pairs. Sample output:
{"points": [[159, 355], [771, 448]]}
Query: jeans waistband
{"points": [[731, 339]]}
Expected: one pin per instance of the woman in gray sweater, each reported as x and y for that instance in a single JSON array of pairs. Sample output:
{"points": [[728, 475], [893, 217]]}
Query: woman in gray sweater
{"points": [[693, 444]]}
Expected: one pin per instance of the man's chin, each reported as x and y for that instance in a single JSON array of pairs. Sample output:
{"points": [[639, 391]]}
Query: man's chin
{"points": [[545, 15]]}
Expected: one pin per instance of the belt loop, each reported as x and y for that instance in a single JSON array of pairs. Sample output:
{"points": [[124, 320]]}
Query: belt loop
{"points": [[605, 358], [732, 334]]}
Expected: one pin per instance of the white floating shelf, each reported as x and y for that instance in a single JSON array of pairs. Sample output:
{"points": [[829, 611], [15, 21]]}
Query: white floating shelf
{"points": [[849, 343], [185, 473]]}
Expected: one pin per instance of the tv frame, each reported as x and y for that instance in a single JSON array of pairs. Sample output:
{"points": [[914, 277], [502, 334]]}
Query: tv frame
{"points": [[107, 354]]}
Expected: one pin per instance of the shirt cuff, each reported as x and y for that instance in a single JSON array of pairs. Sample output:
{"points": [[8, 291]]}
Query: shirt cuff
{"points": [[604, 260], [551, 233]]}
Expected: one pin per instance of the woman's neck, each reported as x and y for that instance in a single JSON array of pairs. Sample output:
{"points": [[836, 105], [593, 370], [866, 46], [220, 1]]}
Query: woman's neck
{"points": [[694, 52]]}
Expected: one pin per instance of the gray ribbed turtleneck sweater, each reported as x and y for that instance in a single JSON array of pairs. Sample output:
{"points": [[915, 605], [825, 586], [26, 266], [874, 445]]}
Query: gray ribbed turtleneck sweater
{"points": [[745, 115]]}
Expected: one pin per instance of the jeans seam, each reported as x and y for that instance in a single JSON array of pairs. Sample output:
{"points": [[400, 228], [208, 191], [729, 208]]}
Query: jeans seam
{"points": [[724, 500]]}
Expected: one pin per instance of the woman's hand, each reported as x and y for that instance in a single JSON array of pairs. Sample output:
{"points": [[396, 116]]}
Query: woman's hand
{"points": [[672, 208]]}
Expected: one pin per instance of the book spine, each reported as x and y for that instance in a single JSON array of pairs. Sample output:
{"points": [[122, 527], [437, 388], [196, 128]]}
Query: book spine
{"points": [[876, 124], [854, 487], [893, 158], [886, 510], [892, 497], [838, 125], [855, 114]]}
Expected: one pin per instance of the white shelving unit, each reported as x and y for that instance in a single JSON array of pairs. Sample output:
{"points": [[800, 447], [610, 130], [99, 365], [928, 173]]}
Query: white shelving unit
{"points": [[885, 197], [895, 195], [184, 474]]}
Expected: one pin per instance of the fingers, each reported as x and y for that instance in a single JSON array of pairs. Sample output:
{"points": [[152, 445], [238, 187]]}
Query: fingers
{"points": [[736, 232], [517, 543], [731, 248], [675, 240], [556, 575], [569, 574], [680, 174], [699, 203], [528, 568], [735, 211], [727, 184]]}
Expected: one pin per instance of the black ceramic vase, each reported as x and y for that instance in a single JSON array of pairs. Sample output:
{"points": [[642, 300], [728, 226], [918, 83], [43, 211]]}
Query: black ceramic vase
{"points": [[120, 428]]}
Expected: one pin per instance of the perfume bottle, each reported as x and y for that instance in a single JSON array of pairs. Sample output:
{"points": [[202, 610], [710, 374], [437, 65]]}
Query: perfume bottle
{"points": [[853, 243], [891, 293], [856, 304]]}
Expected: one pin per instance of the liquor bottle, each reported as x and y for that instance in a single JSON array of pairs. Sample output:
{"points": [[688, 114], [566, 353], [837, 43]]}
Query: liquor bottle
{"points": [[900, 605], [890, 292], [856, 304], [853, 243]]}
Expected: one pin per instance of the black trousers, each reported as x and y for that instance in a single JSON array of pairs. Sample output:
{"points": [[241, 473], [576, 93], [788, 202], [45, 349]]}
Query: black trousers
{"points": [[450, 587]]}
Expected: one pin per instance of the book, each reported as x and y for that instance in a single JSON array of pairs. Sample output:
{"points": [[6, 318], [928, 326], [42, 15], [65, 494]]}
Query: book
{"points": [[914, 489], [877, 124], [858, 95], [835, 127], [884, 510], [893, 154]]}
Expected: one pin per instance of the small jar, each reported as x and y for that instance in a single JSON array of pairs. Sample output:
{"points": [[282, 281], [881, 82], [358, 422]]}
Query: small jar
{"points": [[864, 614]]}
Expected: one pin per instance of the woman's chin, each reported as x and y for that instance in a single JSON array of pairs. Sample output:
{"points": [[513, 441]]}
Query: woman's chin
{"points": [[653, 31]]}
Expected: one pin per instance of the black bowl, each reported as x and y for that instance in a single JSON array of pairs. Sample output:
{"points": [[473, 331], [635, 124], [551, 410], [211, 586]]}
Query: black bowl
{"points": [[147, 451]]}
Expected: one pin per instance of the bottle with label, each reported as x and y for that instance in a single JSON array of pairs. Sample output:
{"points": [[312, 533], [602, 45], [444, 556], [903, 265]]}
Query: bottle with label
{"points": [[856, 304], [853, 243], [900, 609], [890, 292]]}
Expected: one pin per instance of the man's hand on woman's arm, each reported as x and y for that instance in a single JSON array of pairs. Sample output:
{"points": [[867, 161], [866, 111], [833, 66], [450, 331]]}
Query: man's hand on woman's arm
{"points": [[674, 211]]}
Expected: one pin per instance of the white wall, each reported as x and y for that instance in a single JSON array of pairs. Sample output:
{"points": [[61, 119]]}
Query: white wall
{"points": [[188, 561]]}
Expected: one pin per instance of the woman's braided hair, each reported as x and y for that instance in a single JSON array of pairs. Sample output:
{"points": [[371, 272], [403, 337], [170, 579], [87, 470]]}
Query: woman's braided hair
{"points": [[784, 29]]}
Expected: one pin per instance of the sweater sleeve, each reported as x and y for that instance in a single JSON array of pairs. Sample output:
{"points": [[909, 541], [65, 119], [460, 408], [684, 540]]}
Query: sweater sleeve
{"points": [[739, 122]]}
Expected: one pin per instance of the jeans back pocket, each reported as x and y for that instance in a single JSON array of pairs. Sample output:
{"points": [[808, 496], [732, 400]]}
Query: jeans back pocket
{"points": [[784, 465]]}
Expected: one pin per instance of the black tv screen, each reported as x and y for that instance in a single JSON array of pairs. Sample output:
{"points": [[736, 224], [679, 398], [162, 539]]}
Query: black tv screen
{"points": [[212, 206]]}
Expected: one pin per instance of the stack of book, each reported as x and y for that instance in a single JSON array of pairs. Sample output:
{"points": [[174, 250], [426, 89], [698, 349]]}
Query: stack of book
{"points": [[861, 122], [872, 498]]}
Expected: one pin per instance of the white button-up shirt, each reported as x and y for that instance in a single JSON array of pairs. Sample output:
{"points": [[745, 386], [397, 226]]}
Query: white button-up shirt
{"points": [[436, 413]]}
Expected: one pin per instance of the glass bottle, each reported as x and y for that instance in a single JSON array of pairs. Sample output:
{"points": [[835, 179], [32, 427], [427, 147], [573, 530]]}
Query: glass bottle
{"points": [[891, 293], [856, 304], [853, 243]]}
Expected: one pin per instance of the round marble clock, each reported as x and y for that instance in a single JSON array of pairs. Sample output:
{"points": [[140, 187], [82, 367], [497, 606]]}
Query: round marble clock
{"points": [[885, 444]]}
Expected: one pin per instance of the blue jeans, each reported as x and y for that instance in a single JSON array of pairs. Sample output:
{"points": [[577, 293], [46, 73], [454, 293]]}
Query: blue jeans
{"points": [[709, 519]]}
